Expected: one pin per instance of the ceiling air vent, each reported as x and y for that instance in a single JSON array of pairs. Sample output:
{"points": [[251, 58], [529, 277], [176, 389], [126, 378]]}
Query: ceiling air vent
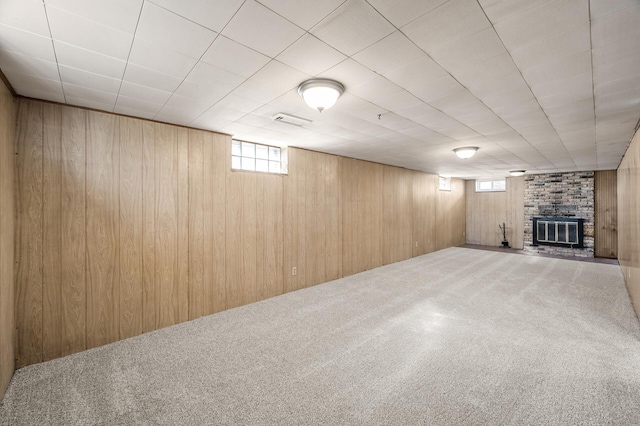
{"points": [[290, 119]]}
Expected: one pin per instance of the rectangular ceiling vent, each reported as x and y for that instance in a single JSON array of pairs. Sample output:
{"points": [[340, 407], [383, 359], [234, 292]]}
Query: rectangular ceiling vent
{"points": [[290, 119]]}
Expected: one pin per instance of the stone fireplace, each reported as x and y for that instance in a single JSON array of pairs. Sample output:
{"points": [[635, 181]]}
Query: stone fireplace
{"points": [[559, 213]]}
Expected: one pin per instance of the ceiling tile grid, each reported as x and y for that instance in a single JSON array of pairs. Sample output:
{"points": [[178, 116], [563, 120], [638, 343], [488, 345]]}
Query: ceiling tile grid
{"points": [[541, 85]]}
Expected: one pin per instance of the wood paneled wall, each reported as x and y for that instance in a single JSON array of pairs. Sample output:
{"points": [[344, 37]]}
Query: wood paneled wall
{"points": [[7, 227], [313, 214], [127, 226], [487, 210], [362, 215], [628, 182], [606, 214], [450, 216], [425, 199]]}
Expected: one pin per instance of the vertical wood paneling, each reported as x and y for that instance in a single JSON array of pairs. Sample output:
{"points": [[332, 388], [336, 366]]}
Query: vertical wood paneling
{"points": [[606, 214], [272, 231], [362, 221], [7, 236], [182, 273], [248, 237], [424, 212], [149, 293], [29, 242], [221, 165], [147, 225], [290, 207], [450, 216], [313, 210], [102, 224], [234, 260], [515, 211], [196, 225], [131, 226], [166, 225], [398, 214], [485, 211], [333, 217], [628, 182], [73, 226], [51, 233]]}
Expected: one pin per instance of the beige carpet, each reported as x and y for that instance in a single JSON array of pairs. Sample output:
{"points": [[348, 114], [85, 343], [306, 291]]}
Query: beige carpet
{"points": [[456, 337]]}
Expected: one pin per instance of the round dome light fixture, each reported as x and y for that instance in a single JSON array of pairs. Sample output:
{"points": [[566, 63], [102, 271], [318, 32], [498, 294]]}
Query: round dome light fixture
{"points": [[320, 93], [466, 151], [516, 172]]}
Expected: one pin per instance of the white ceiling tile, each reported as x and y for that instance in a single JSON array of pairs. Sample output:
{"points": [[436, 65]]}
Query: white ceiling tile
{"points": [[234, 57], [89, 61], [304, 14], [134, 112], [89, 35], [210, 14], [30, 86], [487, 71], [137, 91], [26, 43], [602, 8], [119, 14], [149, 108], [160, 59], [271, 82], [391, 52], [193, 90], [401, 12], [399, 100], [416, 73], [81, 92], [548, 49], [468, 51], [89, 80], [271, 36], [453, 21], [89, 102], [350, 73], [150, 78], [17, 63], [438, 88], [26, 15], [376, 89], [310, 55], [616, 28], [176, 116], [560, 69], [199, 105], [185, 37], [352, 27], [238, 103], [214, 77], [545, 20], [498, 10]]}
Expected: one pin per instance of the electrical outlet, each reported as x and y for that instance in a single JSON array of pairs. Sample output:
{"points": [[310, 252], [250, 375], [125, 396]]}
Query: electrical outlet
{"points": [[416, 244], [294, 271]]}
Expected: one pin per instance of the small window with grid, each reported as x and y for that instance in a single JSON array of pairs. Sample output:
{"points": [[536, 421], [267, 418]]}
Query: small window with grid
{"points": [[491, 185], [256, 157]]}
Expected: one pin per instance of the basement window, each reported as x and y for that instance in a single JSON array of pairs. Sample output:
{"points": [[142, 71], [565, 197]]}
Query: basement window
{"points": [[491, 185], [444, 183], [256, 157]]}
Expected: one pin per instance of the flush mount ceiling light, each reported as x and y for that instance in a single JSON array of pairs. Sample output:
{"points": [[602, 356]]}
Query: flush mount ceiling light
{"points": [[320, 93], [516, 172], [466, 152]]}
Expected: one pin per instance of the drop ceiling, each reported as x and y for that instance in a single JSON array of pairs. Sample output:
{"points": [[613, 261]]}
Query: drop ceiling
{"points": [[544, 86]]}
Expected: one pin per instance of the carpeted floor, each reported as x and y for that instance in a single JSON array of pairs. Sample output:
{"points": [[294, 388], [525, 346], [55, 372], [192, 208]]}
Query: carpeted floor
{"points": [[456, 337]]}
